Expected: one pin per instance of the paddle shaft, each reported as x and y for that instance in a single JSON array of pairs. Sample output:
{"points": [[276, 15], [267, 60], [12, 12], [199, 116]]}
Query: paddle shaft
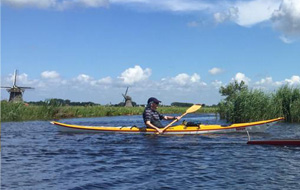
{"points": [[166, 127]]}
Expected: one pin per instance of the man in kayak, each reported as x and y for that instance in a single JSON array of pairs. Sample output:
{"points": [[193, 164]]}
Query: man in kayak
{"points": [[152, 117]]}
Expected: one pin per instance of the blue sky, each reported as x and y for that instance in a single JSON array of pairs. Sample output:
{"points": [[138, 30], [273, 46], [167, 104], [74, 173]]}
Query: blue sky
{"points": [[180, 50]]}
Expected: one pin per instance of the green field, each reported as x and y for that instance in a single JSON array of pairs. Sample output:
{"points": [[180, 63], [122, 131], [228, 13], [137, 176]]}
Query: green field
{"points": [[23, 112]]}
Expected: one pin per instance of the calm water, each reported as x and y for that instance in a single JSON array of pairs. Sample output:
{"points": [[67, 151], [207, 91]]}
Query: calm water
{"points": [[35, 155]]}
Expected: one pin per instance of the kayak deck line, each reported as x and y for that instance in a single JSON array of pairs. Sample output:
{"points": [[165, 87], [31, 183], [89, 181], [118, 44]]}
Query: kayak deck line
{"points": [[95, 128], [177, 129]]}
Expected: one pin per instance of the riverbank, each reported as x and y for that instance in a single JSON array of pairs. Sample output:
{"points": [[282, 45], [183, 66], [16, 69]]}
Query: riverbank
{"points": [[24, 112]]}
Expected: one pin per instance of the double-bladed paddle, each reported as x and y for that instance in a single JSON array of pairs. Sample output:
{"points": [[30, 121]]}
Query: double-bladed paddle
{"points": [[192, 109]]}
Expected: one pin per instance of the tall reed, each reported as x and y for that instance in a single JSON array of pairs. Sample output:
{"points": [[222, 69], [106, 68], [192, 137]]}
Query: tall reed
{"points": [[286, 101], [251, 105]]}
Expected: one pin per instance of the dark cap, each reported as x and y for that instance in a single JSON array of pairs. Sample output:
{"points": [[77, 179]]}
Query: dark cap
{"points": [[152, 99]]}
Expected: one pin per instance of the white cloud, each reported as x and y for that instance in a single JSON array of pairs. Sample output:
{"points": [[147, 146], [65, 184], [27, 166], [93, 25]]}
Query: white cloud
{"points": [[254, 12], [287, 20], [195, 78], [284, 15], [164, 5], [265, 81], [184, 79], [217, 84], [134, 75], [294, 80], [30, 3], [248, 13], [67, 4], [83, 78], [169, 5], [93, 3], [287, 40], [229, 15], [88, 80], [182, 87], [106, 80], [23, 79], [268, 83], [215, 71], [50, 75], [241, 77], [57, 4], [184, 5]]}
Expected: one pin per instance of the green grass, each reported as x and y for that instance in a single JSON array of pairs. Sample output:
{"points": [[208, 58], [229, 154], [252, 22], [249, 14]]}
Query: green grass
{"points": [[22, 112], [240, 105]]}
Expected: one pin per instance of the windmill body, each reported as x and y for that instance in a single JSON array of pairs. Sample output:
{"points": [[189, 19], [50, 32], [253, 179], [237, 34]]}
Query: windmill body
{"points": [[16, 92], [127, 99]]}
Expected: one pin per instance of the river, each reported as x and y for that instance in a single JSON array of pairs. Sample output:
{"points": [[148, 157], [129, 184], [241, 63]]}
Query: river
{"points": [[35, 155]]}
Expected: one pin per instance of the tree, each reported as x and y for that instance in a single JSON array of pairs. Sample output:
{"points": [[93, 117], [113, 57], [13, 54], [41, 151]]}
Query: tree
{"points": [[232, 89]]}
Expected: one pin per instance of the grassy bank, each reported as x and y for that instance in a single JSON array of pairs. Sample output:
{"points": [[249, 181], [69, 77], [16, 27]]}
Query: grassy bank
{"points": [[22, 112], [244, 105]]}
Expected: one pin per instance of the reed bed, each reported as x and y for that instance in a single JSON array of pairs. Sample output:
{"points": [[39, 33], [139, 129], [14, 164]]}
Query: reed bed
{"points": [[244, 105], [24, 112]]}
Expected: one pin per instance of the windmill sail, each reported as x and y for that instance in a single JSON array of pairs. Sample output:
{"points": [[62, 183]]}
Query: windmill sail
{"points": [[15, 78], [124, 95], [127, 99]]}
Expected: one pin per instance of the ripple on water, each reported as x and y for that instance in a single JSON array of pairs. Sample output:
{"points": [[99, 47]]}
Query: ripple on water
{"points": [[36, 156]]}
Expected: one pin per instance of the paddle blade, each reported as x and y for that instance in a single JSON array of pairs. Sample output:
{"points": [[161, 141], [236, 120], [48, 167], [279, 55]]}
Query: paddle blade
{"points": [[194, 108]]}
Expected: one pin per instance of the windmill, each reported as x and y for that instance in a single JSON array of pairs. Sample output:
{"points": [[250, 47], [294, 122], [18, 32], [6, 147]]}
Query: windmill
{"points": [[16, 92], [127, 99]]}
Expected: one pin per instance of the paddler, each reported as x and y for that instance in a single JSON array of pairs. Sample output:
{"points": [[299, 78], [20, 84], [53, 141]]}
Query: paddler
{"points": [[152, 117]]}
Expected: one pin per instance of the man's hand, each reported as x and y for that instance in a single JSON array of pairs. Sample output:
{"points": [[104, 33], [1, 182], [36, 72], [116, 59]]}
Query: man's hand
{"points": [[159, 131]]}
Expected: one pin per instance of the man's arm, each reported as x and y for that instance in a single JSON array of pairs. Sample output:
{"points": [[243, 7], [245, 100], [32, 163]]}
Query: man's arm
{"points": [[171, 117], [149, 124]]}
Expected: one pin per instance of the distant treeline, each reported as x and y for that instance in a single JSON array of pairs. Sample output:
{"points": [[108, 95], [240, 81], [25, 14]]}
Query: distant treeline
{"points": [[243, 105], [180, 104], [61, 102]]}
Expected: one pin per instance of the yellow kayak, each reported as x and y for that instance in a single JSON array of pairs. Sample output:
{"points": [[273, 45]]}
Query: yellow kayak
{"points": [[184, 128]]}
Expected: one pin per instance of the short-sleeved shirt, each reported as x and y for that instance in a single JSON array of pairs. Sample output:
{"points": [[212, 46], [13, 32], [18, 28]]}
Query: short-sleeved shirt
{"points": [[153, 116]]}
